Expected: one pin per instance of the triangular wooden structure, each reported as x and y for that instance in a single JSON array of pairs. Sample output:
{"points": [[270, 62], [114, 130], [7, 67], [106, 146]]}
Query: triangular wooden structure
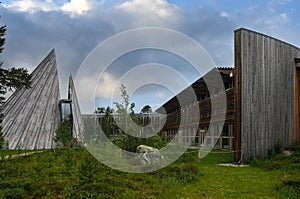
{"points": [[31, 116]]}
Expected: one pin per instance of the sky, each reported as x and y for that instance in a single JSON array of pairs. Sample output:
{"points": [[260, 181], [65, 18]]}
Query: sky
{"points": [[74, 28]]}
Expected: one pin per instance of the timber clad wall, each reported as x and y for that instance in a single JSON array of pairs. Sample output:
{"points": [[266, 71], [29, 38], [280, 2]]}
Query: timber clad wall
{"points": [[265, 92], [75, 110]]}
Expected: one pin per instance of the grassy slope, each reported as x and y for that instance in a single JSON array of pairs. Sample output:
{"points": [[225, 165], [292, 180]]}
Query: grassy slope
{"points": [[69, 173]]}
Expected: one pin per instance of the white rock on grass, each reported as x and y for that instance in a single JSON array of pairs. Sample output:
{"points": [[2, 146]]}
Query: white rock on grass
{"points": [[149, 154]]}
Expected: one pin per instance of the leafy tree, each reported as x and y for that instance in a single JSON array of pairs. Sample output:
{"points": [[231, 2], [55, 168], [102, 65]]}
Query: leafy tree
{"points": [[145, 120], [100, 110], [124, 108], [146, 109], [10, 79]]}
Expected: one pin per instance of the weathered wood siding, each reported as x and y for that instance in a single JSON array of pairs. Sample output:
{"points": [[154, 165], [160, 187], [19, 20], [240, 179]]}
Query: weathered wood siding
{"points": [[265, 92], [75, 109], [297, 100], [31, 116]]}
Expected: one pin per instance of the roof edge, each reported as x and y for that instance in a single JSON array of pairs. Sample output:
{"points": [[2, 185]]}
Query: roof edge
{"points": [[265, 35]]}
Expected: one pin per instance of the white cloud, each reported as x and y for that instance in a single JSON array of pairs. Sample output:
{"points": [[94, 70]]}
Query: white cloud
{"points": [[86, 84], [89, 88], [150, 12], [161, 8], [32, 5], [107, 86], [283, 2], [161, 95], [73, 7], [283, 16], [78, 6], [223, 13]]}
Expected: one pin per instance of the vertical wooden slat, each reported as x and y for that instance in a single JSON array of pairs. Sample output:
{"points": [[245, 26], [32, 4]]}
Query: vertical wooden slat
{"points": [[237, 95]]}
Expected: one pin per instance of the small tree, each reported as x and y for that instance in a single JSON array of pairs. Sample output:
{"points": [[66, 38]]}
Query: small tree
{"points": [[100, 110], [125, 141], [63, 135], [125, 112], [106, 121]]}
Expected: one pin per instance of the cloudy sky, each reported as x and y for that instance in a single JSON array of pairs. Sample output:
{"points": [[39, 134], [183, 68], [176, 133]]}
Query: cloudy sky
{"points": [[74, 28]]}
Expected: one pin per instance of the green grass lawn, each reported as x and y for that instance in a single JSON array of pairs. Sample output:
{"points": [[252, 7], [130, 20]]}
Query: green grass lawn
{"points": [[74, 173], [231, 182]]}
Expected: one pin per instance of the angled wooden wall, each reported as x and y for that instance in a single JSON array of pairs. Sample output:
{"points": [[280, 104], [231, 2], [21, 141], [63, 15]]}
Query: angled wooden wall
{"points": [[31, 116], [264, 94], [75, 109]]}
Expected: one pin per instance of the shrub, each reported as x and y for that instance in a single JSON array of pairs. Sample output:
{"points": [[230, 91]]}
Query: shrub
{"points": [[290, 188], [184, 173], [63, 135], [12, 193]]}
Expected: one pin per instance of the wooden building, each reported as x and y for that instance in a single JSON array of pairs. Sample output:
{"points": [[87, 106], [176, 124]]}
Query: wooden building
{"points": [[203, 130], [262, 112]]}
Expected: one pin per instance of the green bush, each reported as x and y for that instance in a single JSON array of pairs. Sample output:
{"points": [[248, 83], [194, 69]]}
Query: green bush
{"points": [[74, 173], [294, 183], [14, 189], [12, 193], [290, 188], [63, 135], [183, 173], [290, 165], [130, 143]]}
